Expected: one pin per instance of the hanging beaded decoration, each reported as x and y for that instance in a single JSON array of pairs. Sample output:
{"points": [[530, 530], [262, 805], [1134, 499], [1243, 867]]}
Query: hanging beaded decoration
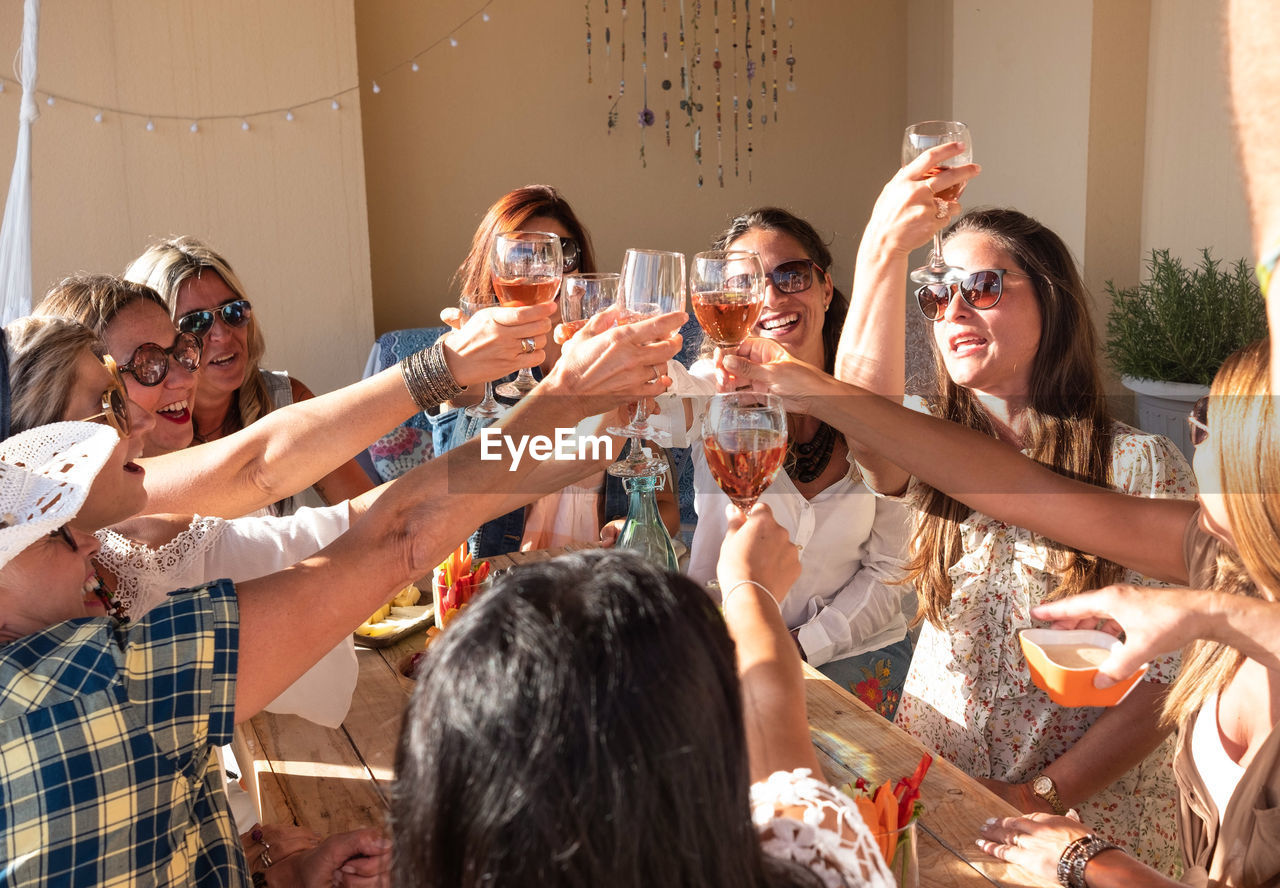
{"points": [[773, 5], [588, 6], [791, 53], [715, 10], [733, 31], [646, 116]]}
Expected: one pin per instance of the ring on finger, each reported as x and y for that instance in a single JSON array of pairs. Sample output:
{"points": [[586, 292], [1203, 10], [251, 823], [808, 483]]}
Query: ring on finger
{"points": [[527, 346], [657, 374], [942, 207], [265, 859]]}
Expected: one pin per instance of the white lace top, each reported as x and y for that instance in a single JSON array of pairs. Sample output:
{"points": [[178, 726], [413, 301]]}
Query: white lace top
{"points": [[241, 549], [846, 855]]}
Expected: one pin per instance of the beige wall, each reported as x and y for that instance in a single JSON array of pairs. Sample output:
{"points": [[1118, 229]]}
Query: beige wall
{"points": [[284, 201], [477, 120]]}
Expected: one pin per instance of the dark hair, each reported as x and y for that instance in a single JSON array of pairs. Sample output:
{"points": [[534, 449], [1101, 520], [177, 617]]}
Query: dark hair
{"points": [[580, 725], [509, 213], [1069, 426], [786, 222]]}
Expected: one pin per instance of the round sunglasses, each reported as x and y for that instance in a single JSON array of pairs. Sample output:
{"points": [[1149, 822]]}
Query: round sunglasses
{"points": [[981, 290], [235, 313], [571, 253], [115, 402], [792, 276], [150, 363]]}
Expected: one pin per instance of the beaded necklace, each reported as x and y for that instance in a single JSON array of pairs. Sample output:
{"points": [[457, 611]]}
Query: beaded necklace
{"points": [[807, 460]]}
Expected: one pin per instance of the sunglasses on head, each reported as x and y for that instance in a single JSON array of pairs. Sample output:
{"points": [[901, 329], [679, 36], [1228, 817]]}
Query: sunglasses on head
{"points": [[150, 363], [115, 403], [235, 313], [65, 535], [792, 276], [981, 290], [1198, 421], [571, 253]]}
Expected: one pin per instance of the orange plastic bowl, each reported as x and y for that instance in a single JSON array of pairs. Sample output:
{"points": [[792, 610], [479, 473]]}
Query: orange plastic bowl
{"points": [[1068, 686]]}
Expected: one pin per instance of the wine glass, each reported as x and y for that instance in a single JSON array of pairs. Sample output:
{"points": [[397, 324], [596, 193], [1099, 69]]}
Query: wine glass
{"points": [[727, 291], [919, 138], [745, 438], [653, 283], [526, 268], [489, 408], [583, 295]]}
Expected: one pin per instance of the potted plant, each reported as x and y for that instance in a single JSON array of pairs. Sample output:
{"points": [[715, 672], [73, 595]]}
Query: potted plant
{"points": [[1168, 336]]}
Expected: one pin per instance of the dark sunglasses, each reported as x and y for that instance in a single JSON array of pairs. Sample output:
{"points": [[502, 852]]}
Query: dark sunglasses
{"points": [[66, 537], [792, 276], [150, 363], [981, 290], [235, 313], [571, 253], [1198, 421], [115, 403]]}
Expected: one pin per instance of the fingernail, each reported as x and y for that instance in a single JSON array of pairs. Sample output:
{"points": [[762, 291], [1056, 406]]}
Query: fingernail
{"points": [[978, 842], [990, 821], [1103, 681]]}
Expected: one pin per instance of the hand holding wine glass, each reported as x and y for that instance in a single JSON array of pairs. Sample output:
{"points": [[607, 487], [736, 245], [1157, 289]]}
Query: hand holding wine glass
{"points": [[488, 408], [583, 296], [526, 268], [918, 139], [745, 437], [727, 290]]}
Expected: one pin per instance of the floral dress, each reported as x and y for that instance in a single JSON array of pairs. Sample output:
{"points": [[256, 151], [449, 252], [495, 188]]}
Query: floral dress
{"points": [[969, 694]]}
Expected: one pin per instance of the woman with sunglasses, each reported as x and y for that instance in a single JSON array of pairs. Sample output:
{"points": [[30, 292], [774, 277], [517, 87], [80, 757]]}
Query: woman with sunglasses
{"points": [[205, 297], [1022, 368], [845, 614], [594, 508]]}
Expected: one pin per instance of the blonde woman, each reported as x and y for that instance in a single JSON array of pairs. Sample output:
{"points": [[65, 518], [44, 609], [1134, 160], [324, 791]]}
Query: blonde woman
{"points": [[205, 297]]}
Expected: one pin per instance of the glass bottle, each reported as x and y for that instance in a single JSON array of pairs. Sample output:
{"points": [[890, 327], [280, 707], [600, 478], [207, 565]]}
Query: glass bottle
{"points": [[644, 531]]}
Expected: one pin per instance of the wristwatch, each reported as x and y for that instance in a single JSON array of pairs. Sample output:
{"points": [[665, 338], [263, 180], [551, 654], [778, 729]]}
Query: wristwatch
{"points": [[1044, 787]]}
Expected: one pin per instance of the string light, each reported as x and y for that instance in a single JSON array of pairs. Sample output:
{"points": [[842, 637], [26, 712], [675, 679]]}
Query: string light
{"points": [[288, 115], [49, 101], [151, 126], [97, 118], [195, 127], [334, 105], [414, 67], [453, 41], [244, 125], [376, 88]]}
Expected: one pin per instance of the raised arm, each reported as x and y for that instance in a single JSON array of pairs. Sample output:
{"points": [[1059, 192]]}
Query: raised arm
{"points": [[872, 352], [979, 471], [289, 449]]}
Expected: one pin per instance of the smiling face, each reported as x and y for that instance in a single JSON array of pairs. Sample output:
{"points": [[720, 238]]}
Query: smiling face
{"points": [[226, 349], [990, 351], [793, 320], [169, 401], [47, 583], [117, 492]]}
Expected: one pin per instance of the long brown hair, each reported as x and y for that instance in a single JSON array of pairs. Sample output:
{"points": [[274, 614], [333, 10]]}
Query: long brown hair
{"points": [[165, 266], [1242, 433], [510, 212], [1068, 424]]}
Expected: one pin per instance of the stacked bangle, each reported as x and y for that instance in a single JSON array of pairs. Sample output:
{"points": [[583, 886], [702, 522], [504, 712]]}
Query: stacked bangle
{"points": [[427, 377], [1076, 856]]}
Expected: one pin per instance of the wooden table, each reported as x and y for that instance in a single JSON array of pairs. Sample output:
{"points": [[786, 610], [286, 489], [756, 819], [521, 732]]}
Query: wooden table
{"points": [[335, 780]]}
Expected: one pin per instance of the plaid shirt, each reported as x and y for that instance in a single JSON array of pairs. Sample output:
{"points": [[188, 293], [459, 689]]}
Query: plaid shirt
{"points": [[106, 737]]}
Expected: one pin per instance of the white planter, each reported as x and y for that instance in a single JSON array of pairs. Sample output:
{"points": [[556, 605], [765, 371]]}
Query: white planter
{"points": [[1163, 408]]}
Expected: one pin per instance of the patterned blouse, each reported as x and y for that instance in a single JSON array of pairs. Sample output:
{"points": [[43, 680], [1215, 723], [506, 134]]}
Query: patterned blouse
{"points": [[106, 746], [969, 694]]}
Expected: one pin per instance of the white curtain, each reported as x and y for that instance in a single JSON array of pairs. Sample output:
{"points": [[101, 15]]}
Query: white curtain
{"points": [[15, 233]]}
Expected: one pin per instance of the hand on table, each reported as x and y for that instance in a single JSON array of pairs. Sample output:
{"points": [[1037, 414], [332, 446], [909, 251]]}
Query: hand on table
{"points": [[358, 859], [491, 344], [1020, 795], [1034, 842]]}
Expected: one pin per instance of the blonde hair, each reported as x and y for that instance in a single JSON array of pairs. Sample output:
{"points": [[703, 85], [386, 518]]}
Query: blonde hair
{"points": [[1069, 425], [165, 266], [94, 300], [1244, 439], [42, 353]]}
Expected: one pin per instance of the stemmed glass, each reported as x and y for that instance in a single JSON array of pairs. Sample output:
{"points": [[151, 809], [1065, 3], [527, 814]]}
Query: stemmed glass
{"points": [[745, 438], [919, 138], [583, 295], [653, 283], [727, 291], [526, 268], [489, 408]]}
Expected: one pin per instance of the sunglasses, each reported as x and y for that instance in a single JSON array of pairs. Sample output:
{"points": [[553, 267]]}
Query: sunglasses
{"points": [[981, 290], [235, 313], [1198, 421], [792, 276], [150, 363], [66, 537], [115, 403], [571, 253]]}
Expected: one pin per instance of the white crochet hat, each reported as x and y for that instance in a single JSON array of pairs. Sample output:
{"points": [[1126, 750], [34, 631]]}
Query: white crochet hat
{"points": [[45, 475]]}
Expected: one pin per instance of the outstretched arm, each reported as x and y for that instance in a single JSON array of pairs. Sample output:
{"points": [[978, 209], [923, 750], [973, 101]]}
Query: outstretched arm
{"points": [[979, 471], [289, 449]]}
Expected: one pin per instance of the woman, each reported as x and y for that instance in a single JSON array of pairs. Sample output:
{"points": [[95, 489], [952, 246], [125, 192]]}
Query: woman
{"points": [[205, 297], [631, 765], [846, 612], [592, 509], [225, 640], [1021, 368]]}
